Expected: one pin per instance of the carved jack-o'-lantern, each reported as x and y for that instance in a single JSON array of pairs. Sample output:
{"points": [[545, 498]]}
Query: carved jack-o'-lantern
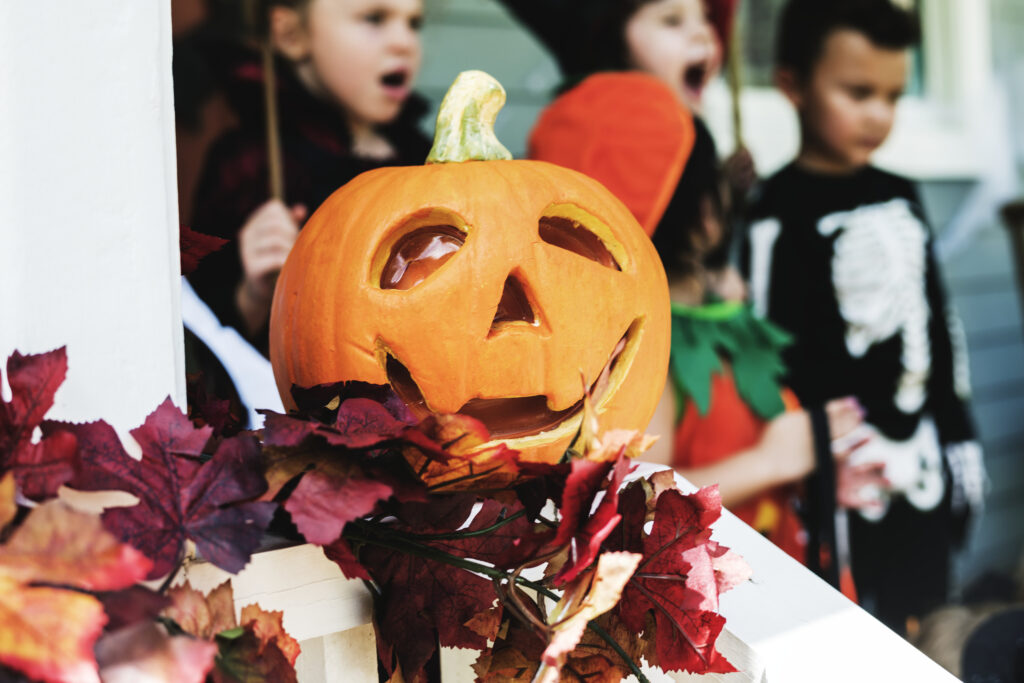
{"points": [[480, 285]]}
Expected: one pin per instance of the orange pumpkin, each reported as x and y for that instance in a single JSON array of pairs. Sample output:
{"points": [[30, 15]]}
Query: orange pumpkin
{"points": [[480, 285]]}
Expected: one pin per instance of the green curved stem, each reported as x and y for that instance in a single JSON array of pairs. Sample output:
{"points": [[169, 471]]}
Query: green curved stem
{"points": [[455, 535], [465, 121]]}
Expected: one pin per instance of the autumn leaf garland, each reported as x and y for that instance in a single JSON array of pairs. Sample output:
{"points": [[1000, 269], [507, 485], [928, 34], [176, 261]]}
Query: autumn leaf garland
{"points": [[453, 540]]}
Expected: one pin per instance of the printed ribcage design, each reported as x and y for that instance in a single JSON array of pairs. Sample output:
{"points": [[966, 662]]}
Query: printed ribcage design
{"points": [[878, 271]]}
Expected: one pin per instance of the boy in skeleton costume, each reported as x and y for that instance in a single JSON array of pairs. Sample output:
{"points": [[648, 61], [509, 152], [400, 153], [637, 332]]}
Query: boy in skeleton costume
{"points": [[839, 254]]}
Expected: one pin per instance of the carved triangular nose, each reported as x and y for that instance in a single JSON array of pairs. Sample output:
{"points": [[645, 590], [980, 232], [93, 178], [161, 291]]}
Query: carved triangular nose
{"points": [[514, 305]]}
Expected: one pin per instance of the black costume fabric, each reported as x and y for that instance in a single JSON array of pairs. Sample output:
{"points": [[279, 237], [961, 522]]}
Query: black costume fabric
{"points": [[588, 36], [845, 264], [317, 161]]}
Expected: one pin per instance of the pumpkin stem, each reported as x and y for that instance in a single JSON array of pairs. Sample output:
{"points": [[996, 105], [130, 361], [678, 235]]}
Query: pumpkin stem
{"points": [[465, 122]]}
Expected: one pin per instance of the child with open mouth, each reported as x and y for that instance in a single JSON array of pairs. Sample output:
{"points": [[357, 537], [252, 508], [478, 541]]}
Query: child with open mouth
{"points": [[345, 72]]}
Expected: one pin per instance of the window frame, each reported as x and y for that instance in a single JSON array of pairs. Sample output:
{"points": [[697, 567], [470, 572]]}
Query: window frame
{"points": [[938, 134]]}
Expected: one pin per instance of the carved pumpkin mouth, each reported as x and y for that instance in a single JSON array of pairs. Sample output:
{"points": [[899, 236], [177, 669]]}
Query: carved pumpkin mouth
{"points": [[523, 416]]}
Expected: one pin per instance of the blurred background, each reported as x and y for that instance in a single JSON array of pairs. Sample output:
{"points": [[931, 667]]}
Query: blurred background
{"points": [[960, 135]]}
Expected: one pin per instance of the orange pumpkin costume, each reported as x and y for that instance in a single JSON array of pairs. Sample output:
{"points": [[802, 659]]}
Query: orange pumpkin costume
{"points": [[722, 415]]}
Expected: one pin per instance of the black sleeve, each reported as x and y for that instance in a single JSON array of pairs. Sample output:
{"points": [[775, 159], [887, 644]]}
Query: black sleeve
{"points": [[798, 278], [231, 186]]}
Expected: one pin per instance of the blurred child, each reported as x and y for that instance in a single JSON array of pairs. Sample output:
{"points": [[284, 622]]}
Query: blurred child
{"points": [[674, 40], [679, 42], [840, 256], [345, 72], [730, 420]]}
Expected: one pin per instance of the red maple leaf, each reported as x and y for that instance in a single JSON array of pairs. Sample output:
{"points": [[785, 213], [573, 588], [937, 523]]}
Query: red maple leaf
{"points": [[195, 246], [179, 496], [325, 501], [582, 531], [686, 624], [40, 467], [340, 553]]}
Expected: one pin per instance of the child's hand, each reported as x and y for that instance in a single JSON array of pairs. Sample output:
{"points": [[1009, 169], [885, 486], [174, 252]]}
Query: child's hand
{"points": [[264, 243], [860, 486], [846, 426], [739, 172]]}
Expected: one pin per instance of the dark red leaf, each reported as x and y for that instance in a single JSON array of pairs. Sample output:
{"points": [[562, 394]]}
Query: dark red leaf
{"points": [[321, 402], [325, 501], [439, 512], [425, 602], [39, 467], [195, 246], [227, 531], [341, 554], [204, 409], [363, 423], [131, 605], [286, 431], [179, 497], [581, 530], [359, 423]]}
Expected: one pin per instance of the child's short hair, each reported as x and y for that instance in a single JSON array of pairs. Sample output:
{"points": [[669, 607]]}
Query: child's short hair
{"points": [[806, 24]]}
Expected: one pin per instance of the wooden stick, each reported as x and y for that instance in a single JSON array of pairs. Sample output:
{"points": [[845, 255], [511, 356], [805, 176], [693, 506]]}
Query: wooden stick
{"points": [[274, 164], [734, 77]]}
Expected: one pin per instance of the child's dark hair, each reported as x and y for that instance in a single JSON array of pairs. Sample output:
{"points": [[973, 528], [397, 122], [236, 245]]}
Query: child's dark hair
{"points": [[805, 25], [680, 235]]}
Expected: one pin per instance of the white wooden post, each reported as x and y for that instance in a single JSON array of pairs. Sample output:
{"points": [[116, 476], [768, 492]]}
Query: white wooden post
{"points": [[88, 211], [88, 259]]}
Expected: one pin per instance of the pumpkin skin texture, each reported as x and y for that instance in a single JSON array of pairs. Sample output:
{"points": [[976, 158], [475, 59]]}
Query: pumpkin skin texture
{"points": [[529, 305]]}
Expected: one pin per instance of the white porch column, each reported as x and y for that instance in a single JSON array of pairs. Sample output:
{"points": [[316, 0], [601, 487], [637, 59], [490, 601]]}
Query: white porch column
{"points": [[88, 211]]}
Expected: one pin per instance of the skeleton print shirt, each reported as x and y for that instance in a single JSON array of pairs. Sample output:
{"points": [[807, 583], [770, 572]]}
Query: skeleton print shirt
{"points": [[845, 264]]}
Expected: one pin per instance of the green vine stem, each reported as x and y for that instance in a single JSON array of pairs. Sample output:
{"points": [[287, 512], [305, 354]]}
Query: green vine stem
{"points": [[465, 121], [455, 535]]}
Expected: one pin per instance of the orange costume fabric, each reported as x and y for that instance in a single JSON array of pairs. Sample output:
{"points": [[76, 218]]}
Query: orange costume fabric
{"points": [[730, 426], [627, 131]]}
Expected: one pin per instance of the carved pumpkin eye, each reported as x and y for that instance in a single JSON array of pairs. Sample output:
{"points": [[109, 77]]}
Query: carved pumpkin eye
{"points": [[416, 255], [571, 235]]}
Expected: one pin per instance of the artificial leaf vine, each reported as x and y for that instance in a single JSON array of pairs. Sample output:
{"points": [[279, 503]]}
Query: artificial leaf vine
{"points": [[551, 571]]}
